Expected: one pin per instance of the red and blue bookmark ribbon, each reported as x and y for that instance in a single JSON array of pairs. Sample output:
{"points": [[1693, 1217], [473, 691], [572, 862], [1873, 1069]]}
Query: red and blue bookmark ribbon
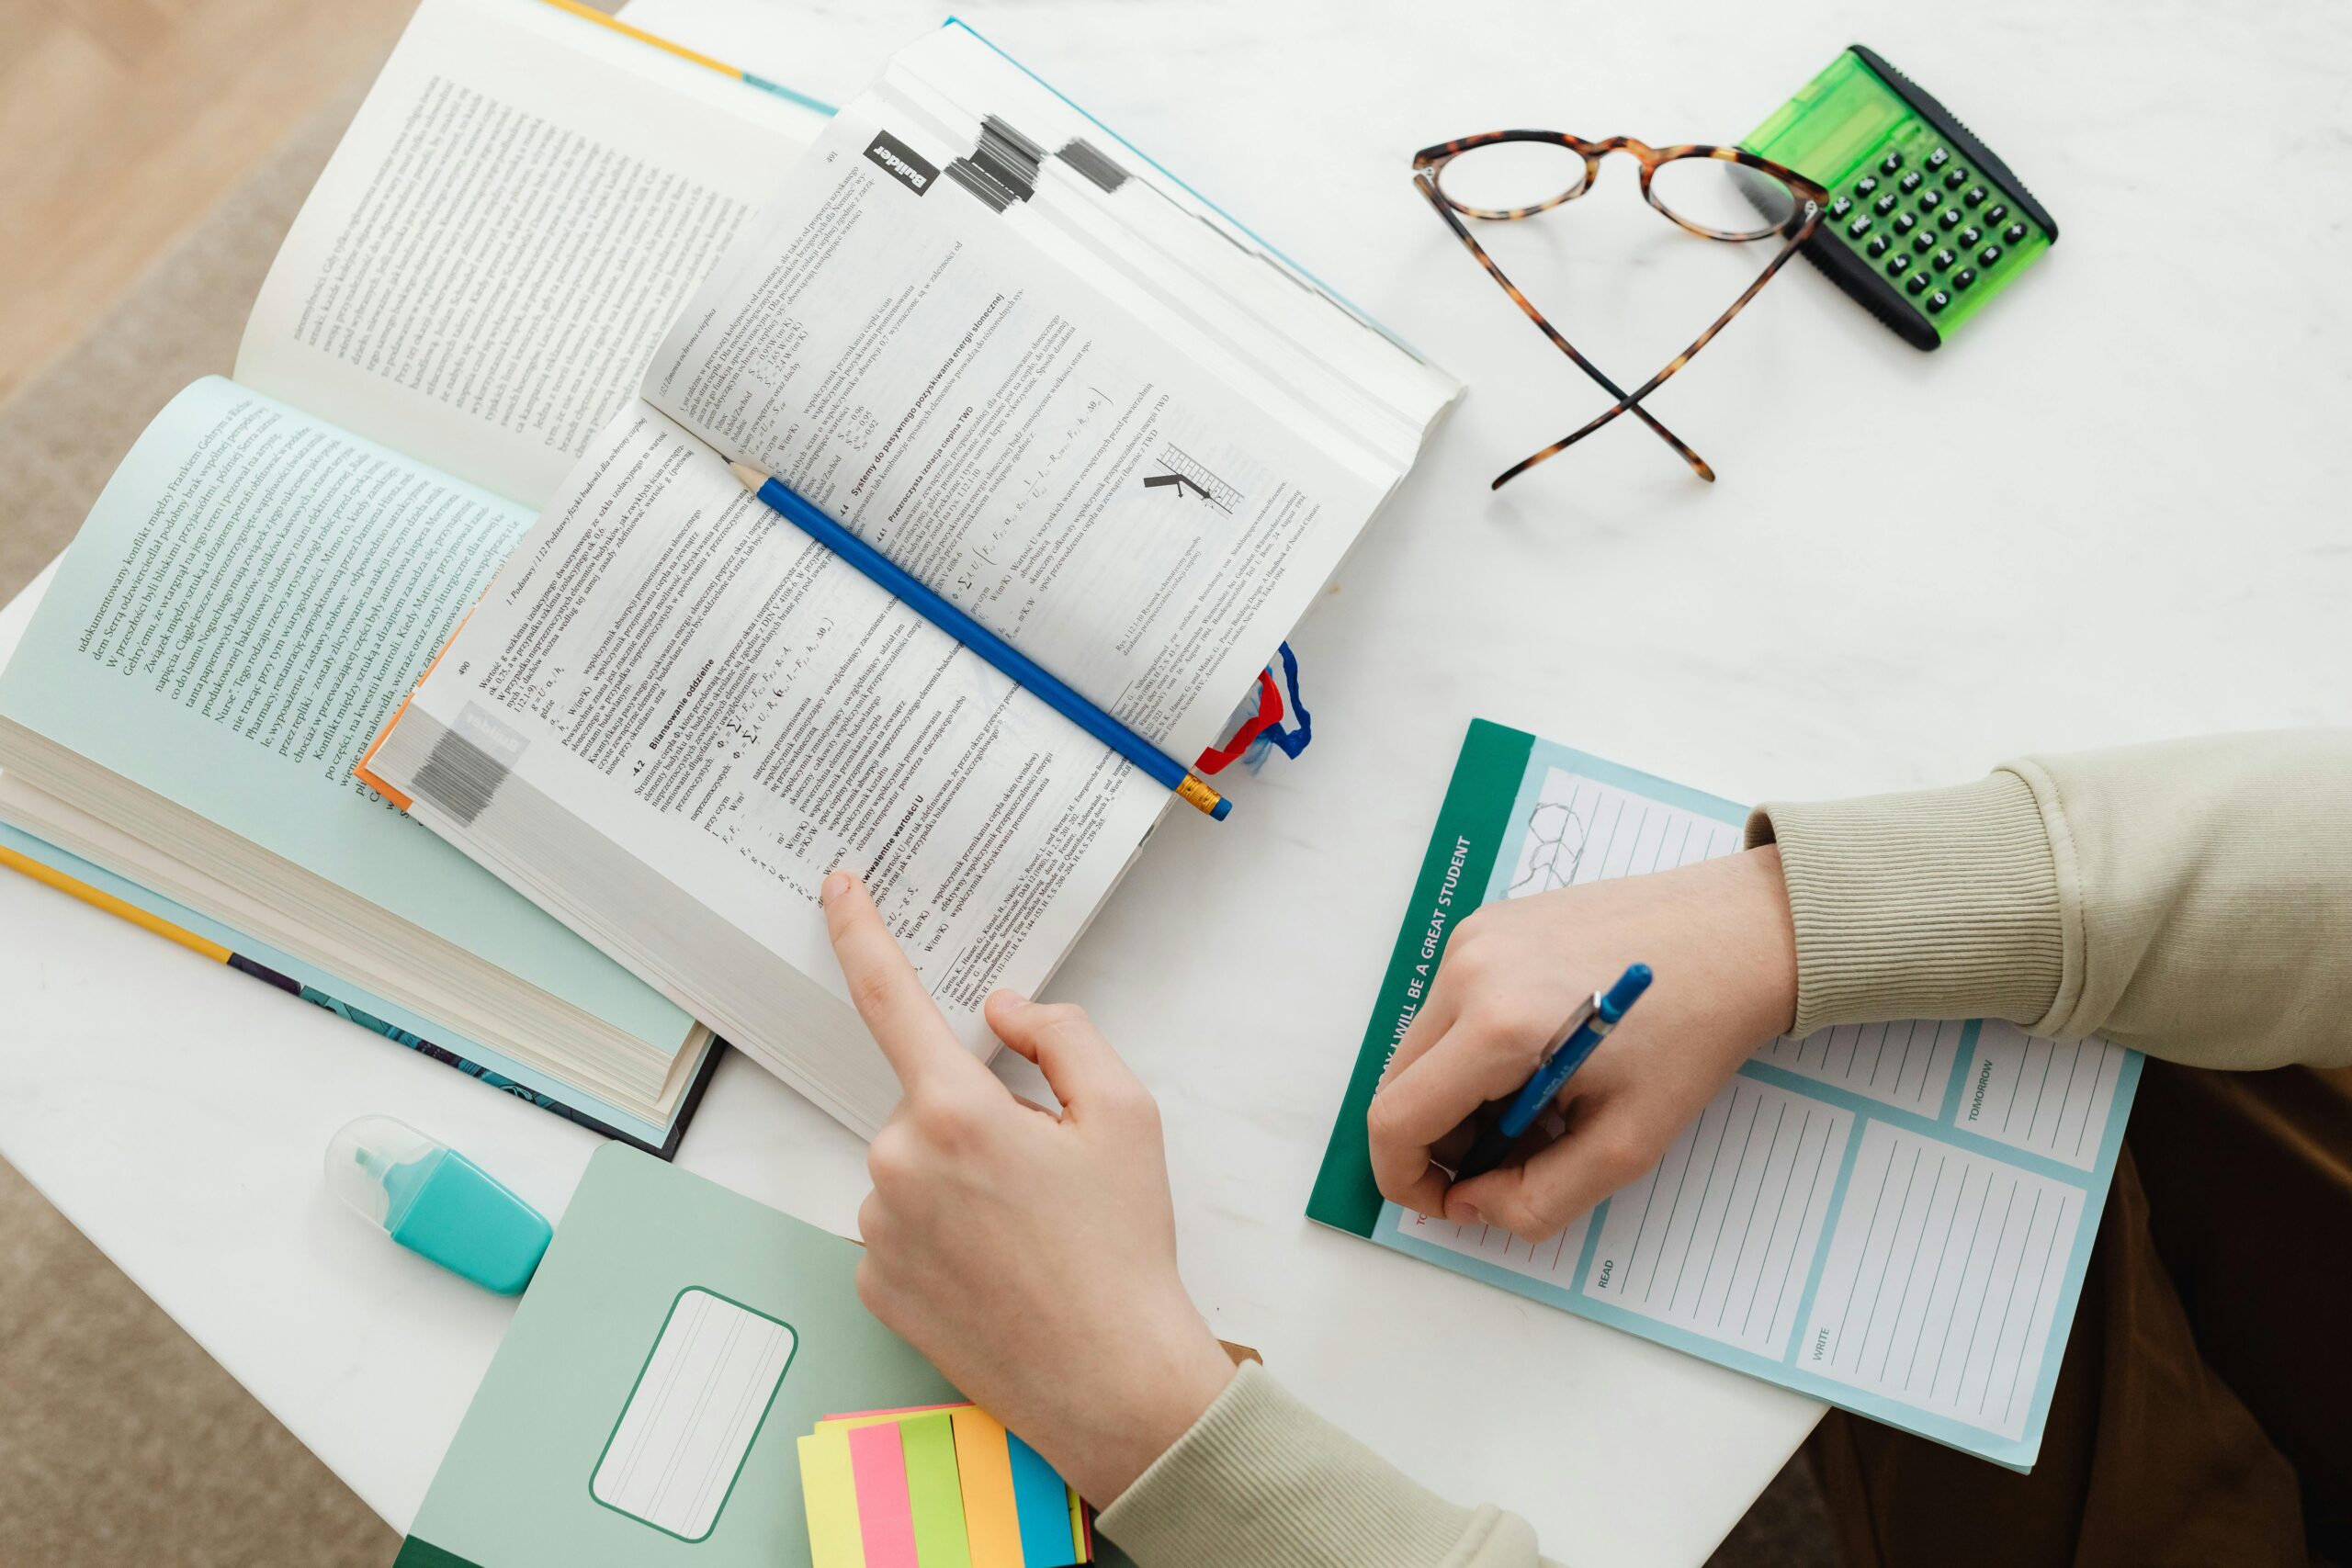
{"points": [[1266, 723]]}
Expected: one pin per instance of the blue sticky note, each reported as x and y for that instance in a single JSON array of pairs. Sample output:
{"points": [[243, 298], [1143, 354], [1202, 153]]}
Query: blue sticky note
{"points": [[1042, 1499]]}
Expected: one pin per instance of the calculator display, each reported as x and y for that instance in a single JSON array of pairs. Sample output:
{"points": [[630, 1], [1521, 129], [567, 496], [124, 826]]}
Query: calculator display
{"points": [[1925, 225]]}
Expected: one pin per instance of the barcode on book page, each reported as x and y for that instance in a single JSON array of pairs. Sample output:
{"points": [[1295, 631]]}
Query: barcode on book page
{"points": [[467, 765]]}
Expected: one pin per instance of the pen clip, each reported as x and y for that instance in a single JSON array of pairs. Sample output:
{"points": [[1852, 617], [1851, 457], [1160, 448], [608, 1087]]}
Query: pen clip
{"points": [[1578, 1016]]}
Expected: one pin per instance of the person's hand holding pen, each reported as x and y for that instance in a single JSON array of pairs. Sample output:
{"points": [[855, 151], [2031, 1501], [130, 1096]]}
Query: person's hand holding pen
{"points": [[1720, 940]]}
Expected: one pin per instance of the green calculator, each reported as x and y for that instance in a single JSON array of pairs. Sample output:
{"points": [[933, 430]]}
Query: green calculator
{"points": [[1925, 224]]}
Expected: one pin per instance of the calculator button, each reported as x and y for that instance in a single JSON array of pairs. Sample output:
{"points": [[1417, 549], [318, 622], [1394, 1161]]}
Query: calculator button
{"points": [[1905, 225], [2013, 233], [1899, 265], [1976, 195], [1891, 162], [1923, 242], [1937, 159], [1842, 206], [1910, 182], [1881, 245], [1964, 278], [1937, 302], [1950, 218], [1955, 177], [1919, 284], [1866, 185], [1930, 200], [1884, 204], [1970, 234], [1998, 211], [1988, 255], [1860, 226], [1944, 259]]}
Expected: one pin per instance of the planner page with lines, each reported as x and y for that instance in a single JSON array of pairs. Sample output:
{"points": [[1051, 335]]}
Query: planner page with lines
{"points": [[1894, 1217]]}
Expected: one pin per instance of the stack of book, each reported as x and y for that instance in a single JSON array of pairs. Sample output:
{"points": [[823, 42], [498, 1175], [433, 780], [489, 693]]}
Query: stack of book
{"points": [[552, 283]]}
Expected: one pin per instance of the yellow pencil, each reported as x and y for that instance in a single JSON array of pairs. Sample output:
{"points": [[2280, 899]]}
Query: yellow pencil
{"points": [[588, 13], [120, 909]]}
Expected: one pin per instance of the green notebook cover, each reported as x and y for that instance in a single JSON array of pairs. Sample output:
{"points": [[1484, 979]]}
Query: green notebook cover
{"points": [[642, 1409], [1470, 829]]}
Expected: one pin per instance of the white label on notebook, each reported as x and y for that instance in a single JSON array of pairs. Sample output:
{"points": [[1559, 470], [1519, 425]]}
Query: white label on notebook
{"points": [[1716, 1238], [688, 1425], [1943, 1273], [2048, 1096], [1906, 1065]]}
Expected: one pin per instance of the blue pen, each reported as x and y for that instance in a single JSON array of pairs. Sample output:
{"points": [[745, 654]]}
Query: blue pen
{"points": [[797, 510], [1590, 1026]]}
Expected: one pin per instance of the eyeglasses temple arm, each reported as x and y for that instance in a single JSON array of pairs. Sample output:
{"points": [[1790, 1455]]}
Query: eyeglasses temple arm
{"points": [[1425, 183], [1632, 403]]}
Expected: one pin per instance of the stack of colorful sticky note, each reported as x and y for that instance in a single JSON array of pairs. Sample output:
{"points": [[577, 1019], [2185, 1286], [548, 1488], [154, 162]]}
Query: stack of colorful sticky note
{"points": [[941, 1486]]}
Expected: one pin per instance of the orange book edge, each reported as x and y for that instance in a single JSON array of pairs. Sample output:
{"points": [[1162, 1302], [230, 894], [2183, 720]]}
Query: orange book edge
{"points": [[360, 770]]}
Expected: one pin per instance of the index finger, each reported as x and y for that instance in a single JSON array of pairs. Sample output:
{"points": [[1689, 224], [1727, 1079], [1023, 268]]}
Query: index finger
{"points": [[883, 985]]}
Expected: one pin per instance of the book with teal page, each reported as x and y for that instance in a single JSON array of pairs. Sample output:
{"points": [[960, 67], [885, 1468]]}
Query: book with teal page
{"points": [[477, 278], [339, 997], [1894, 1218], [648, 1403]]}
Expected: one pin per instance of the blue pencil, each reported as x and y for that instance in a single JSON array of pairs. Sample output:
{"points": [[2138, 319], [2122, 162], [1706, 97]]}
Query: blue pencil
{"points": [[1024, 670]]}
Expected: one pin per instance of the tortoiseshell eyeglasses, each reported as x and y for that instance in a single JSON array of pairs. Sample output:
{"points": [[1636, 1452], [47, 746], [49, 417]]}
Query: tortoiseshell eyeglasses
{"points": [[1716, 193]]}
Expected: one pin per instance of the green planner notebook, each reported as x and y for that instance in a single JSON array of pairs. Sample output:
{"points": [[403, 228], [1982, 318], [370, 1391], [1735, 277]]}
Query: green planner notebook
{"points": [[643, 1407], [1894, 1217]]}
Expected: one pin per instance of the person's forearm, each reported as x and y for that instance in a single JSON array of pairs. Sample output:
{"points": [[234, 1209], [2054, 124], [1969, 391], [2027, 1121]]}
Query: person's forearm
{"points": [[2189, 898], [1261, 1482]]}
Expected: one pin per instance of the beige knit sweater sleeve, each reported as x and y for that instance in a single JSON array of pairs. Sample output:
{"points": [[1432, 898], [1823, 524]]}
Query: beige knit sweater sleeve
{"points": [[2192, 899], [2189, 898]]}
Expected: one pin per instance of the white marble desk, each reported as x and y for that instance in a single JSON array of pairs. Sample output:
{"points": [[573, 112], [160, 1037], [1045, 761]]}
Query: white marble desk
{"points": [[2113, 510]]}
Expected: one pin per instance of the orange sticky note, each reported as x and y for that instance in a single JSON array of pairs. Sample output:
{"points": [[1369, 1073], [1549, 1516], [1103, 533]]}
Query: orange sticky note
{"points": [[991, 1517]]}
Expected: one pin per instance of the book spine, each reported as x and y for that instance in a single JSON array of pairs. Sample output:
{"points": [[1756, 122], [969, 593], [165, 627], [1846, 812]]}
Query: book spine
{"points": [[1454, 873], [74, 887], [475, 1070]]}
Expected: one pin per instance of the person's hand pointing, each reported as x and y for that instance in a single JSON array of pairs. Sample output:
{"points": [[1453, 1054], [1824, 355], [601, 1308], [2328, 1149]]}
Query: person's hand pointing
{"points": [[1030, 1255]]}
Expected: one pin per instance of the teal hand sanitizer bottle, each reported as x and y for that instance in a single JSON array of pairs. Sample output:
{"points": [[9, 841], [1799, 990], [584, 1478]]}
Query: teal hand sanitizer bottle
{"points": [[435, 1202]]}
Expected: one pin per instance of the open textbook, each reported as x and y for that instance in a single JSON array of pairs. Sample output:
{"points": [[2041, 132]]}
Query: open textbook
{"points": [[1004, 350], [478, 280], [1894, 1217]]}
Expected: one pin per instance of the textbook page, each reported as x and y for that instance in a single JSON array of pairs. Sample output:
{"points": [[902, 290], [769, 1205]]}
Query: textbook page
{"points": [[672, 714], [1164, 252], [253, 591], [887, 343], [1894, 1217], [510, 221]]}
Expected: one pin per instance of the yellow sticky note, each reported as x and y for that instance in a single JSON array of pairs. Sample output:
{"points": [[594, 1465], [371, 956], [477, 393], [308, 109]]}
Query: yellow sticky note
{"points": [[992, 1516], [828, 1491]]}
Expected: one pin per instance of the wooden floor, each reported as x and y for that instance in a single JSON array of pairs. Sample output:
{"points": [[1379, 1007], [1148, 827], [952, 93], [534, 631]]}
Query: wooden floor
{"points": [[124, 120]]}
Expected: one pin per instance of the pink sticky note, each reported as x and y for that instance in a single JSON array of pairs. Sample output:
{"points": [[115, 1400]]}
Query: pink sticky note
{"points": [[885, 1523]]}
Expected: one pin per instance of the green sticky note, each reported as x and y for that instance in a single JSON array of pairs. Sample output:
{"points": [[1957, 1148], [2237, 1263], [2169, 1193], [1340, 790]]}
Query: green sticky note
{"points": [[935, 1494]]}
